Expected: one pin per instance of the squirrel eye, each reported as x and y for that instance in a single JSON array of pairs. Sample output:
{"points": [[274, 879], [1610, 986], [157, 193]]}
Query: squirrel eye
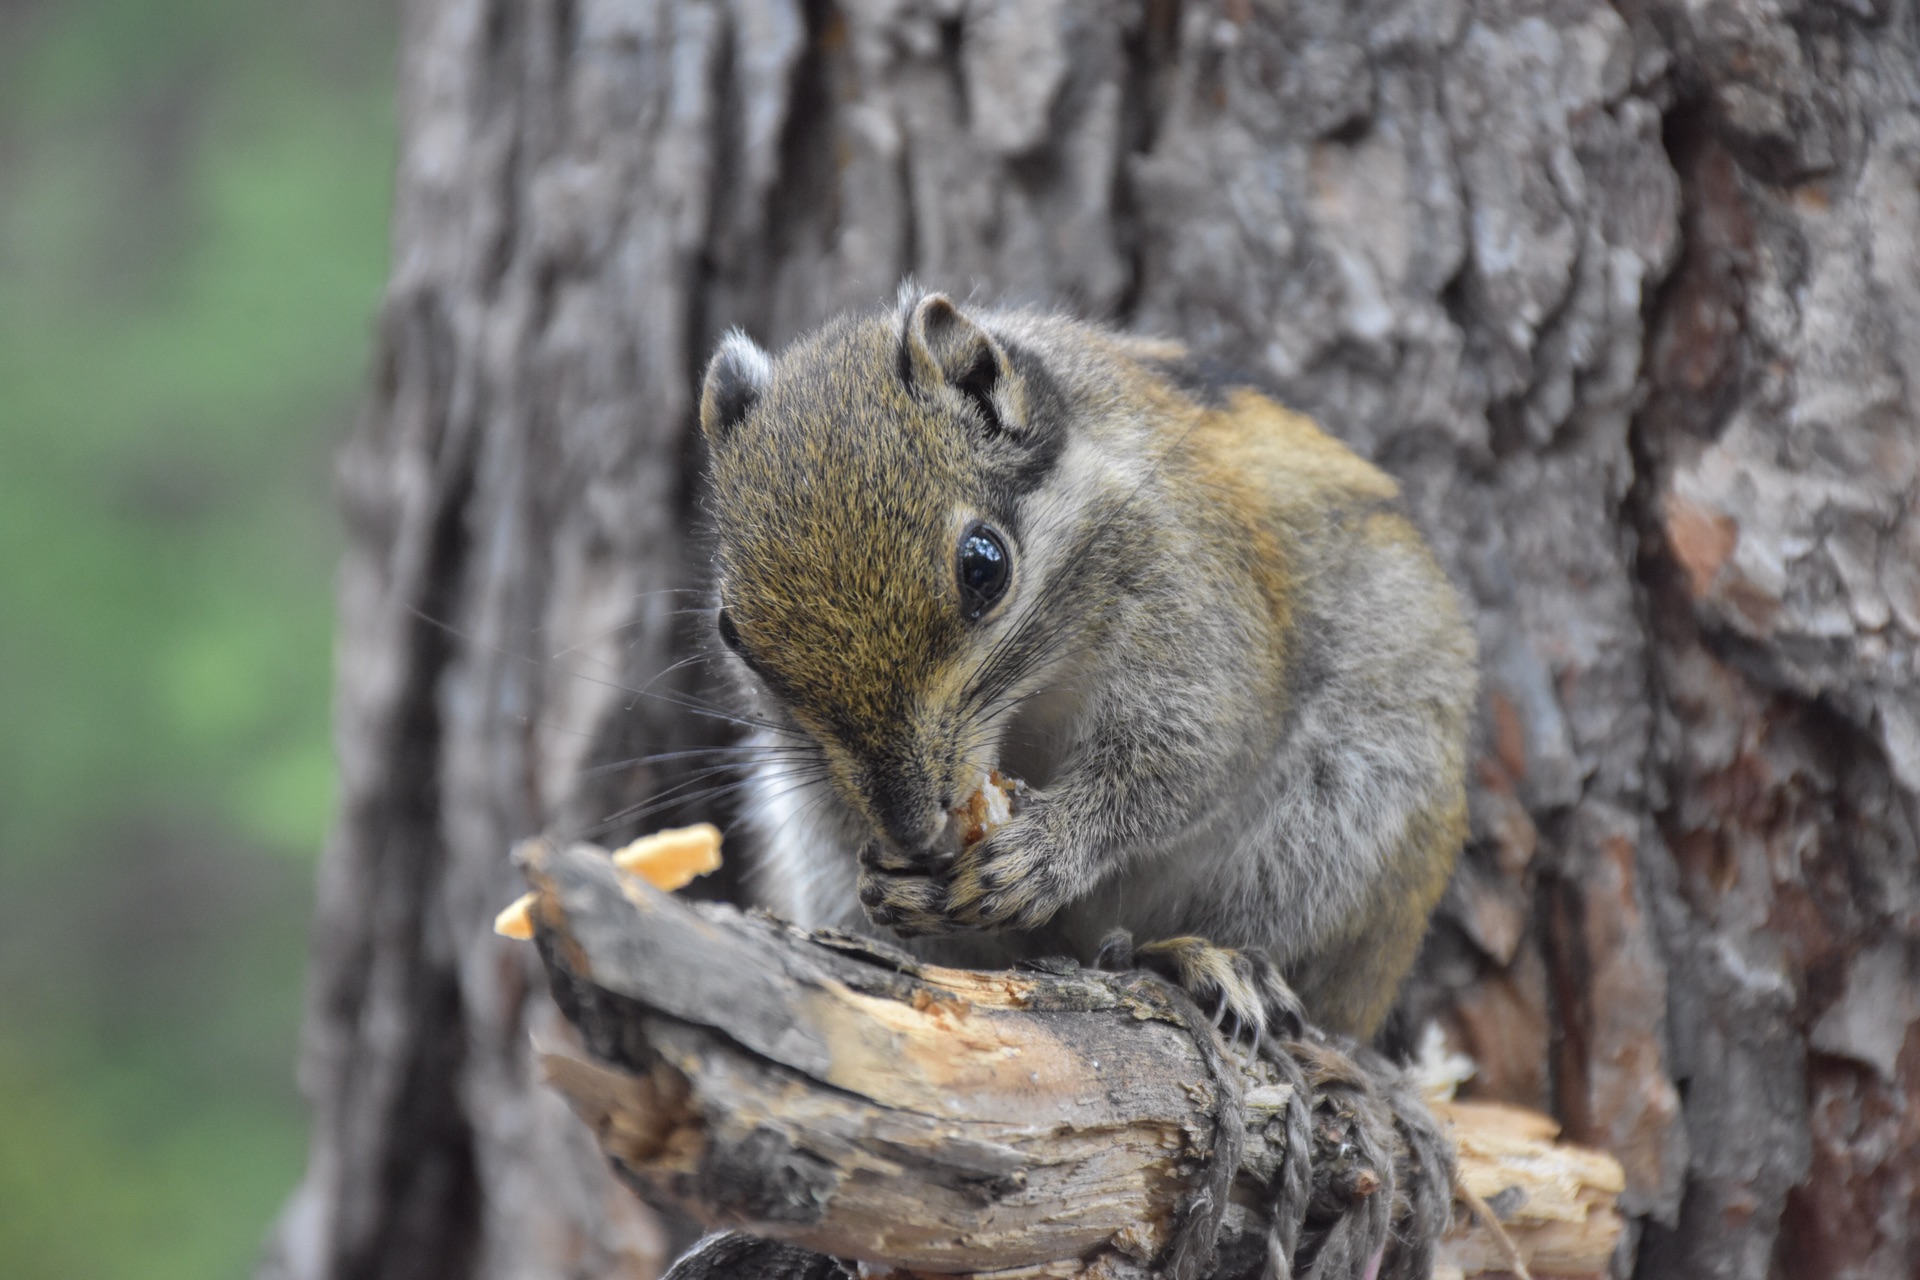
{"points": [[984, 567]]}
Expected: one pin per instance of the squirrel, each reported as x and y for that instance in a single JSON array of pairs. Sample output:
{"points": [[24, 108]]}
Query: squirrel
{"points": [[1202, 631]]}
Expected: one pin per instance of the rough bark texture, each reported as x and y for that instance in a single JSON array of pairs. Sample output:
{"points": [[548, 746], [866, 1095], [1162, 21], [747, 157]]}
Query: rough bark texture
{"points": [[862, 1106], [1627, 295], [1050, 1122]]}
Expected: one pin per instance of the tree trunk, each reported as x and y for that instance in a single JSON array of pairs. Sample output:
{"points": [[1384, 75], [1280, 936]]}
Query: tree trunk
{"points": [[1627, 296]]}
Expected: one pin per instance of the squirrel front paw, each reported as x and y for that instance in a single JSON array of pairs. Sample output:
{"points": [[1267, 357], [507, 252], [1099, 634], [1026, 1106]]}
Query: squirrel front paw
{"points": [[908, 897], [1013, 879], [1010, 879]]}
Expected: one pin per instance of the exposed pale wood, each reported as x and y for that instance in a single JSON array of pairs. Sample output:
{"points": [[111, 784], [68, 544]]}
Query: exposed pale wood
{"points": [[848, 1099], [924, 1117], [1556, 1201]]}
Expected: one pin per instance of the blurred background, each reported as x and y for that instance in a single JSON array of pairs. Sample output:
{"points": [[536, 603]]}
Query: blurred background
{"points": [[193, 211]]}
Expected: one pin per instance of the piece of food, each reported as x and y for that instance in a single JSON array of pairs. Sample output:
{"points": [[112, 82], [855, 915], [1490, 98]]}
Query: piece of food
{"points": [[666, 860], [672, 858], [995, 800], [516, 921]]}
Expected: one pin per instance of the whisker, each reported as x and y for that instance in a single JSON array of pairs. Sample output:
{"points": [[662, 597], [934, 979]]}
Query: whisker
{"points": [[820, 800], [741, 753], [695, 789], [646, 808], [617, 628], [688, 703]]}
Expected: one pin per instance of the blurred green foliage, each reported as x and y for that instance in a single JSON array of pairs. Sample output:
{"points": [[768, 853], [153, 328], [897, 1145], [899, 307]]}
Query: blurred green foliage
{"points": [[193, 209]]}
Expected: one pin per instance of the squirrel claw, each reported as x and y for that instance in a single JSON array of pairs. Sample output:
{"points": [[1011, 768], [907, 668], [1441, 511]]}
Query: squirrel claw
{"points": [[1008, 880], [1005, 880], [1244, 985], [908, 905]]}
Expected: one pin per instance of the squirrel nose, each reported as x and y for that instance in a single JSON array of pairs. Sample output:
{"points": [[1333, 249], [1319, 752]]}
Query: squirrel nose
{"points": [[907, 815], [910, 831]]}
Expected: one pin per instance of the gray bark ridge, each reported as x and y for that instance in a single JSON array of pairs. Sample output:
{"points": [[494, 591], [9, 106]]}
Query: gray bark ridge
{"points": [[1625, 295]]}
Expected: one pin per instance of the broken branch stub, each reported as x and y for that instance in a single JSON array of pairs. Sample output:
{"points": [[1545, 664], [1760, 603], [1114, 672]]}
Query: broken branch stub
{"points": [[840, 1096], [836, 1094]]}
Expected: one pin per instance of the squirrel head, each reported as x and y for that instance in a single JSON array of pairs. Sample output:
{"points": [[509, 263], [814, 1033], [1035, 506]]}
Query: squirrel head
{"points": [[865, 488]]}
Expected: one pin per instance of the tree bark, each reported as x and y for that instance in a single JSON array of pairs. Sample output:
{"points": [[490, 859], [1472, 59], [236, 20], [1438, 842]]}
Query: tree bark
{"points": [[835, 1095], [1627, 297]]}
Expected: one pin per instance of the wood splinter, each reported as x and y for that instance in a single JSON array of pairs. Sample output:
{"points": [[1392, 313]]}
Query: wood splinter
{"points": [[836, 1094]]}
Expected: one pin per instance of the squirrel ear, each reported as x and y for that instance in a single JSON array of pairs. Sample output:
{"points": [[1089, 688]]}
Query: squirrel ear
{"points": [[943, 347], [736, 378]]}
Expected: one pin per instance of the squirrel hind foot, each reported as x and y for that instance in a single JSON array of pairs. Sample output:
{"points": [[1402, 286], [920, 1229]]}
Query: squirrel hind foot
{"points": [[1225, 982]]}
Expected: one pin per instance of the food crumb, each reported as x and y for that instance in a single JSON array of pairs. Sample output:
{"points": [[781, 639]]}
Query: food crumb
{"points": [[667, 860]]}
